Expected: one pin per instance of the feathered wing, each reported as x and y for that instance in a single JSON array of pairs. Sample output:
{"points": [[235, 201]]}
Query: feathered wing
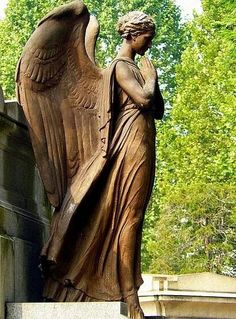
{"points": [[58, 85]]}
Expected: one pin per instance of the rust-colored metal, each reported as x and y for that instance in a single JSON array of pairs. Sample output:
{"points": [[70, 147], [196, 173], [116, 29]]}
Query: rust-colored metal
{"points": [[93, 136]]}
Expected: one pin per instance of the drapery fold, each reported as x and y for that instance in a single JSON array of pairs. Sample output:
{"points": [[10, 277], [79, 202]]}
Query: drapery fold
{"points": [[98, 232]]}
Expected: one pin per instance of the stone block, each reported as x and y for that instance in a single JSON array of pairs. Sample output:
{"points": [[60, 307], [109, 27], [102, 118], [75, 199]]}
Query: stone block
{"points": [[24, 211], [19, 223], [17, 161], [68, 310], [20, 277], [27, 276], [7, 285], [14, 111]]}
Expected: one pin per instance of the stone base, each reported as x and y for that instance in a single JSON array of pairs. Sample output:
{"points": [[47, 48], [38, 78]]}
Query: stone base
{"points": [[67, 310]]}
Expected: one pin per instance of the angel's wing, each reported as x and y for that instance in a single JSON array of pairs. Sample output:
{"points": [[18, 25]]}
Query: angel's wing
{"points": [[58, 86]]}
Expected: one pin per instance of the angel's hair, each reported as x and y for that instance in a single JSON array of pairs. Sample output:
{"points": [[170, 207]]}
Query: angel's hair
{"points": [[135, 23]]}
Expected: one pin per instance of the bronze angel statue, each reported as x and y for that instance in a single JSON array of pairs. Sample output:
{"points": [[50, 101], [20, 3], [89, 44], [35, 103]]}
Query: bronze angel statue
{"points": [[93, 136]]}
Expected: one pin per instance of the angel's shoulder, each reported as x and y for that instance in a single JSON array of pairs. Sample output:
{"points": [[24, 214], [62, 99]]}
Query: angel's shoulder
{"points": [[123, 70], [122, 65]]}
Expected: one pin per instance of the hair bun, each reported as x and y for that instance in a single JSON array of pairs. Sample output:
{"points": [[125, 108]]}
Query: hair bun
{"points": [[134, 23]]}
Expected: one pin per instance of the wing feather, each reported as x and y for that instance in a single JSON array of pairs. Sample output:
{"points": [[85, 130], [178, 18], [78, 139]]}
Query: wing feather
{"points": [[56, 83]]}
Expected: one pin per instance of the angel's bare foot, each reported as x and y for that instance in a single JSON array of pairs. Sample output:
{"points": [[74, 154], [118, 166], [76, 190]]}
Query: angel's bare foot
{"points": [[135, 311]]}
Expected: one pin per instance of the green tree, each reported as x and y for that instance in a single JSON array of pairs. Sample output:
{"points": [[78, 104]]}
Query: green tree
{"points": [[197, 149], [22, 17], [196, 230]]}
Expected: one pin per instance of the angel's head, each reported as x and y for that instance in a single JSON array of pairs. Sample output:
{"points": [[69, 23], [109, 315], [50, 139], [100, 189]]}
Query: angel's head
{"points": [[139, 29]]}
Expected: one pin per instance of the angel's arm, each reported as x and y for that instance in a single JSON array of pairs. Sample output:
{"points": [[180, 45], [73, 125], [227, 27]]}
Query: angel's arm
{"points": [[145, 96], [126, 80]]}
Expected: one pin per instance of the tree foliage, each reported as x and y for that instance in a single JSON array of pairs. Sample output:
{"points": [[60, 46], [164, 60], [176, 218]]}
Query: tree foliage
{"points": [[196, 230], [22, 17], [197, 150]]}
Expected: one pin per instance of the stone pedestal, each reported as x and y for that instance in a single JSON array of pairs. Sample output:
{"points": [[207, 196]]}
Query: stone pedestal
{"points": [[67, 310]]}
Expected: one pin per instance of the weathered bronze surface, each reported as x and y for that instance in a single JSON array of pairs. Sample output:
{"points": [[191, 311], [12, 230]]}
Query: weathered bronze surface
{"points": [[93, 136]]}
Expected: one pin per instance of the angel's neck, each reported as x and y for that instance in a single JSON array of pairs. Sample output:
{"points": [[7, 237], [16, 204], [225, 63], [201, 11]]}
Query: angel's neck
{"points": [[126, 51]]}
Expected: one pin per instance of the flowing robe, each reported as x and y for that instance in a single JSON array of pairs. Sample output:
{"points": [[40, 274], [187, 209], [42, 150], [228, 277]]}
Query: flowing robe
{"points": [[101, 249]]}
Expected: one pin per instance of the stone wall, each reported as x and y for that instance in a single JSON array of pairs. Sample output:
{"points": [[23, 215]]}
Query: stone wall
{"points": [[24, 210]]}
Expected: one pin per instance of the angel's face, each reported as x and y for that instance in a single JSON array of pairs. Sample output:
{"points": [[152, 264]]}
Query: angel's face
{"points": [[142, 42]]}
